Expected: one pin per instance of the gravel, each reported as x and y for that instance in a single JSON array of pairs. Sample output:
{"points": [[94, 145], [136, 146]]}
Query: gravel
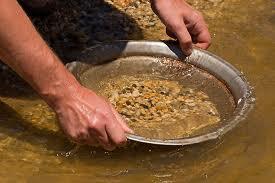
{"points": [[160, 108]]}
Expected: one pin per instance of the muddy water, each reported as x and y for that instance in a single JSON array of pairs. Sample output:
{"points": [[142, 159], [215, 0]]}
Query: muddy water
{"points": [[32, 149]]}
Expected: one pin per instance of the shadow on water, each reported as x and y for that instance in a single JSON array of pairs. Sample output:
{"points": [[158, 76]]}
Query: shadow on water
{"points": [[13, 125], [78, 24]]}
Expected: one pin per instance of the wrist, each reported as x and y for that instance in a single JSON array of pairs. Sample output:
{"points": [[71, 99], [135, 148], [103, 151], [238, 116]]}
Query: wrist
{"points": [[60, 92], [60, 85]]}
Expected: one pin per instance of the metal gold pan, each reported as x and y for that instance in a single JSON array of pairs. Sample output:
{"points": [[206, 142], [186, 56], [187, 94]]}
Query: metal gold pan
{"points": [[214, 65]]}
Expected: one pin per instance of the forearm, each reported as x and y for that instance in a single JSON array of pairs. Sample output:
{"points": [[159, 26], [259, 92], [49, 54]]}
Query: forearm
{"points": [[23, 49]]}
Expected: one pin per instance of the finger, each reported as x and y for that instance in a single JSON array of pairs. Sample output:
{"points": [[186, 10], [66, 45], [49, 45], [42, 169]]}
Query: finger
{"points": [[121, 121], [80, 137], [201, 35], [92, 141], [184, 38], [115, 132], [170, 34], [106, 144], [98, 131], [203, 40]]}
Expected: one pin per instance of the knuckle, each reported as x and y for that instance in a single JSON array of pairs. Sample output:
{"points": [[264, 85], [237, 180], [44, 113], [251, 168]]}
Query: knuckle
{"points": [[197, 16], [176, 25], [92, 126], [96, 124], [103, 115]]}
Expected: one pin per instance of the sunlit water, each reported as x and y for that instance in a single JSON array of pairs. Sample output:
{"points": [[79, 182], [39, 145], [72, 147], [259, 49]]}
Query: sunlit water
{"points": [[32, 149]]}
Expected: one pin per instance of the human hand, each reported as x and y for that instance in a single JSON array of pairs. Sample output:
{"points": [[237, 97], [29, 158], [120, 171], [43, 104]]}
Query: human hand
{"points": [[183, 23], [87, 118], [83, 116]]}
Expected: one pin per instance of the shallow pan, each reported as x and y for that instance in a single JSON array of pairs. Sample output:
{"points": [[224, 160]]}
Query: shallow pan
{"points": [[214, 65]]}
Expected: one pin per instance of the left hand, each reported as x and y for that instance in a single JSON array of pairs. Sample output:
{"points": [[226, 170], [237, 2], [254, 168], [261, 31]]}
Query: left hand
{"points": [[184, 23]]}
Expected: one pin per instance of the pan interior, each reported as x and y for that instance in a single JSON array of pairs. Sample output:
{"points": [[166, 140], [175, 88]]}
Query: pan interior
{"points": [[210, 107]]}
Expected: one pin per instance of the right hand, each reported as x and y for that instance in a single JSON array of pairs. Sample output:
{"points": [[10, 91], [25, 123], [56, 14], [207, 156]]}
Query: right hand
{"points": [[183, 23], [89, 119]]}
